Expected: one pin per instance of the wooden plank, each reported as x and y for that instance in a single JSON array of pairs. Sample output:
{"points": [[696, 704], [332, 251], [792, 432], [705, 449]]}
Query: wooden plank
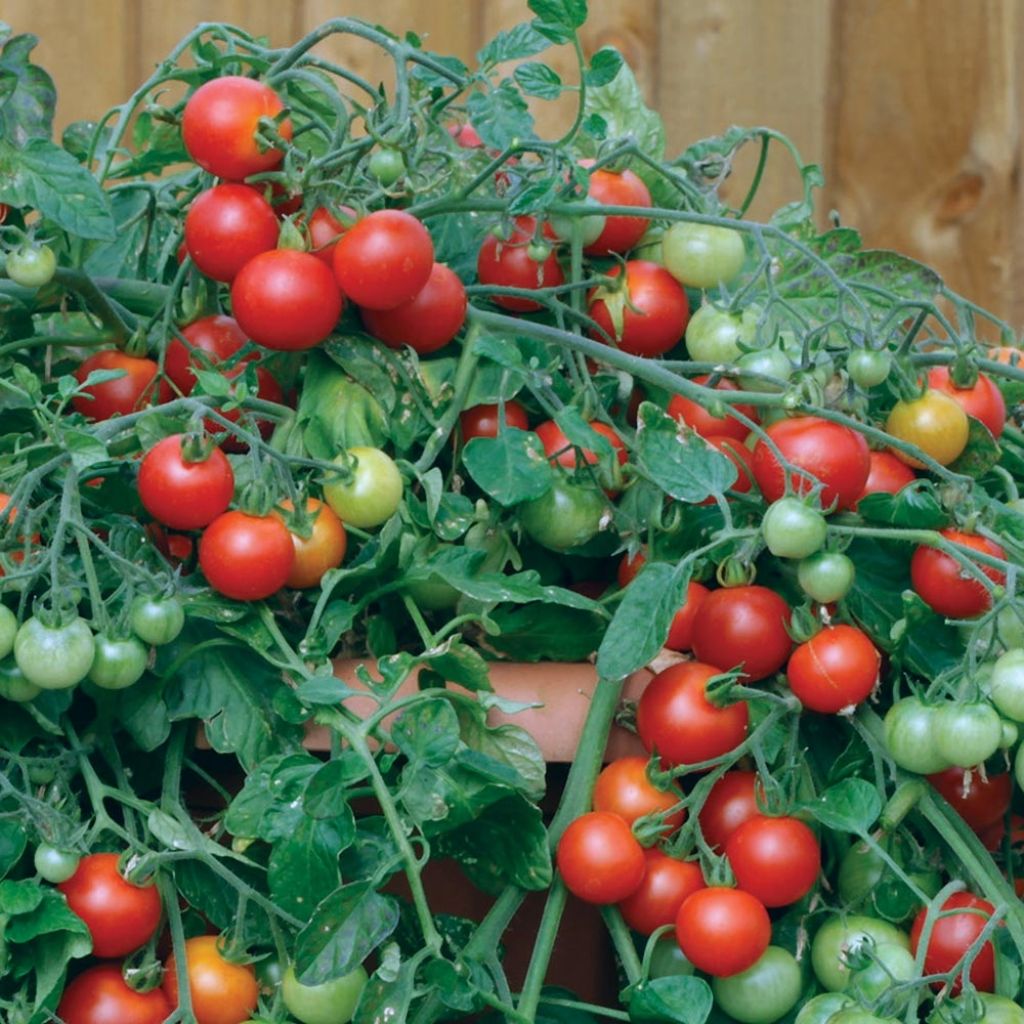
{"points": [[925, 138], [747, 62]]}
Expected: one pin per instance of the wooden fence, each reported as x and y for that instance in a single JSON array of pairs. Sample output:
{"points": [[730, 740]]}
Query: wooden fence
{"points": [[911, 106]]}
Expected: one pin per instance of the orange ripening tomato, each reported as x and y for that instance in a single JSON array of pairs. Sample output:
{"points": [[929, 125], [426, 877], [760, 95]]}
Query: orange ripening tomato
{"points": [[323, 549], [623, 788]]}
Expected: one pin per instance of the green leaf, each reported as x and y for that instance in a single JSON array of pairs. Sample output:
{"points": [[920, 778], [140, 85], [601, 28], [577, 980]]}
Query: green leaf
{"points": [[520, 41], [13, 840], [387, 1000], [558, 19], [916, 506], [204, 889], [459, 663], [336, 413], [500, 116], [42, 175], [326, 791], [85, 449], [536, 79], [852, 805], [679, 461], [543, 632], [604, 66], [511, 468], [345, 929], [679, 1000], [27, 94], [427, 732], [21, 897], [641, 623], [980, 455], [303, 866], [512, 752]]}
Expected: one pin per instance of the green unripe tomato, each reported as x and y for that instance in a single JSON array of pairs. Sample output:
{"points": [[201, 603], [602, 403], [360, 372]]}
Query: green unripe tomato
{"points": [[764, 992], [8, 630], [766, 362], [387, 166], [702, 255], [13, 684], [371, 494], [433, 594], [31, 266], [822, 1007], [54, 866], [538, 251], [826, 576], [967, 734], [994, 1010], [893, 964], [868, 367], [54, 657], [857, 1015], [565, 517], [715, 336], [910, 737], [333, 1002], [591, 224], [793, 530], [118, 663], [1006, 684], [157, 621], [838, 938]]}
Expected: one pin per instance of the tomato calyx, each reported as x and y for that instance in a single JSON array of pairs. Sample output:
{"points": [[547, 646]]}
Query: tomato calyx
{"points": [[735, 572], [292, 236]]}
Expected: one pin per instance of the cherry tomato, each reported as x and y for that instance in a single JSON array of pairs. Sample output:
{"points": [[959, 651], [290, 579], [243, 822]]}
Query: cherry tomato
{"points": [[607, 188], [868, 367], [667, 882], [983, 400], [429, 320], [31, 266], [100, 995], [591, 225], [831, 453], [775, 859], [716, 336], [222, 992], [839, 936], [228, 225], [325, 229], [220, 122], [952, 936], [826, 577], [981, 800], [675, 719], [647, 318], [1006, 685], [765, 992], [910, 736], [8, 629], [286, 300], [965, 735], [704, 421], [466, 136], [246, 557], [136, 388], [323, 549], [567, 516], [944, 586], [386, 165], [792, 529], [743, 626], [507, 264], [933, 422], [560, 451], [835, 670], [54, 657], [54, 865], [181, 493], [484, 420], [623, 788], [722, 931], [680, 633], [209, 342], [731, 801], [703, 255], [373, 492], [118, 663], [599, 859], [333, 1002], [158, 621], [628, 568], [384, 260], [120, 916]]}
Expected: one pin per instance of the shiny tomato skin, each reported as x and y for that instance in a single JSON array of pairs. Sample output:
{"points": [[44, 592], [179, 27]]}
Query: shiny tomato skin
{"points": [[560, 451], [222, 992], [286, 300], [599, 859], [952, 936], [100, 995], [980, 801], [666, 884], [654, 310], [507, 264], [938, 579], [887, 475], [219, 126], [836, 669], [834, 454], [384, 259], [323, 549], [677, 721], [620, 232], [722, 931], [226, 226], [775, 859], [429, 320], [983, 400], [485, 421], [680, 633], [136, 389], [731, 801], [325, 229], [623, 788], [120, 916], [687, 411], [181, 494], [209, 342], [629, 567], [246, 557], [935, 423], [743, 625]]}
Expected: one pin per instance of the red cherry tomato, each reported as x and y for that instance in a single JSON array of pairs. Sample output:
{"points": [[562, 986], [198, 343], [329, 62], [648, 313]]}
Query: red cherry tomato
{"points": [[981, 800], [220, 122], [666, 884], [226, 226], [246, 557], [384, 259], [325, 229], [676, 720], [775, 859], [466, 136], [120, 916], [887, 474], [560, 451], [680, 633], [623, 788], [944, 586], [629, 567], [136, 389], [731, 801], [743, 626], [722, 931], [484, 420], [836, 669], [180, 493], [648, 318], [832, 453], [209, 342], [700, 419], [984, 401], [620, 233], [100, 995], [507, 264], [429, 320], [599, 859], [952, 936]]}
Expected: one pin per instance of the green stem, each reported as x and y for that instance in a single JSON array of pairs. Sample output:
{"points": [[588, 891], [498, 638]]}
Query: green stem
{"points": [[623, 942]]}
